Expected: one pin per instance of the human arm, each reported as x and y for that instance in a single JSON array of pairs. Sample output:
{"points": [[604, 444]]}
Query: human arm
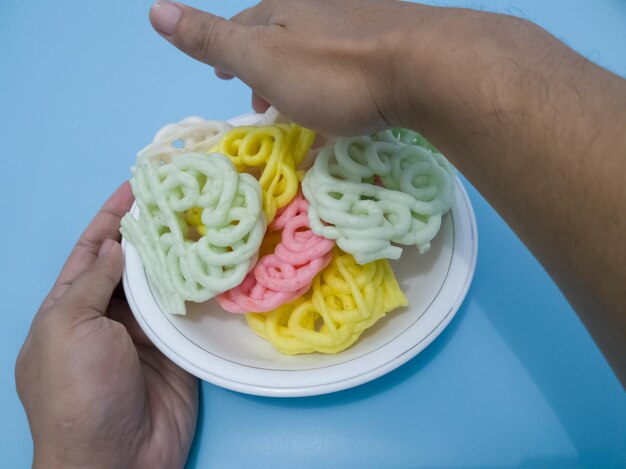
{"points": [[537, 128], [97, 393]]}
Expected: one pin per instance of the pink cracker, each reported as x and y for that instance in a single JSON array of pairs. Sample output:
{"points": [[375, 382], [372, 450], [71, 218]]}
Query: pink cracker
{"points": [[250, 296], [273, 273], [299, 247], [286, 274], [298, 205]]}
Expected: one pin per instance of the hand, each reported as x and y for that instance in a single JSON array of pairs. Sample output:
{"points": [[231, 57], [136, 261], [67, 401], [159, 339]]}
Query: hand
{"points": [[97, 393], [536, 128], [331, 66]]}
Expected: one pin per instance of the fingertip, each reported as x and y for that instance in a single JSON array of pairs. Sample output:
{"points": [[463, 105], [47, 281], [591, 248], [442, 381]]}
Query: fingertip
{"points": [[124, 190], [106, 247], [121, 200], [259, 104], [223, 75], [164, 16], [111, 257], [110, 247]]}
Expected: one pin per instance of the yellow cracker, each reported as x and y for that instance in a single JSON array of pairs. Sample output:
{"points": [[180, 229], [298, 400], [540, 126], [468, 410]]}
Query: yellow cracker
{"points": [[274, 150], [345, 299]]}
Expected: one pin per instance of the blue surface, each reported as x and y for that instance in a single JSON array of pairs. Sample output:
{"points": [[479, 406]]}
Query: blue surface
{"points": [[514, 381]]}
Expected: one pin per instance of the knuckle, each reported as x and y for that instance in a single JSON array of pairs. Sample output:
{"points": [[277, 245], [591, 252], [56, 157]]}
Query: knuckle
{"points": [[89, 245], [257, 35], [25, 366], [204, 38], [117, 328], [46, 322], [82, 316], [20, 368]]}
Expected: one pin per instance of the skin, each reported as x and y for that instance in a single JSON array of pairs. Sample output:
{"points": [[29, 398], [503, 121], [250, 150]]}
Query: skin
{"points": [[97, 393], [538, 129]]}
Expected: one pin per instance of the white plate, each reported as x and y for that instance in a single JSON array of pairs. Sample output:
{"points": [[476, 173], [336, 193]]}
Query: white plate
{"points": [[218, 347]]}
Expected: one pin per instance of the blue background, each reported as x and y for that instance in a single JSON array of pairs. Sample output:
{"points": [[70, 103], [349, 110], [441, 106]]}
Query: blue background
{"points": [[514, 381]]}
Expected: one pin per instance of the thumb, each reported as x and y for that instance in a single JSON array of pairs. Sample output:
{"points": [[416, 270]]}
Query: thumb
{"points": [[91, 292], [208, 38]]}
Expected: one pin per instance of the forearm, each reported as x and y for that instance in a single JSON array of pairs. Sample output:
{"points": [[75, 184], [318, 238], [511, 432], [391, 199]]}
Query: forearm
{"points": [[541, 132]]}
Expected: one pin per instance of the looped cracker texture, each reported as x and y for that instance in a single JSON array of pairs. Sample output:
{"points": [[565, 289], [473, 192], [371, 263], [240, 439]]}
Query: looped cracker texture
{"points": [[179, 266], [345, 299], [367, 192], [192, 134], [275, 151], [287, 272]]}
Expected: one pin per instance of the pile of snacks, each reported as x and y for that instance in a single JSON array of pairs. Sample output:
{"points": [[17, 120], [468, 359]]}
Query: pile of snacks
{"points": [[231, 213]]}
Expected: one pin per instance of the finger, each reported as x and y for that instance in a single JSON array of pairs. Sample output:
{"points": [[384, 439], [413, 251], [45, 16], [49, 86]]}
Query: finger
{"points": [[223, 75], [223, 44], [120, 311], [89, 295], [259, 104], [105, 225]]}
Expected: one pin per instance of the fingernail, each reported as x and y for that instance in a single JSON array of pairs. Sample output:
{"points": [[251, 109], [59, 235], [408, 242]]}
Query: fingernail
{"points": [[106, 247], [165, 16]]}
